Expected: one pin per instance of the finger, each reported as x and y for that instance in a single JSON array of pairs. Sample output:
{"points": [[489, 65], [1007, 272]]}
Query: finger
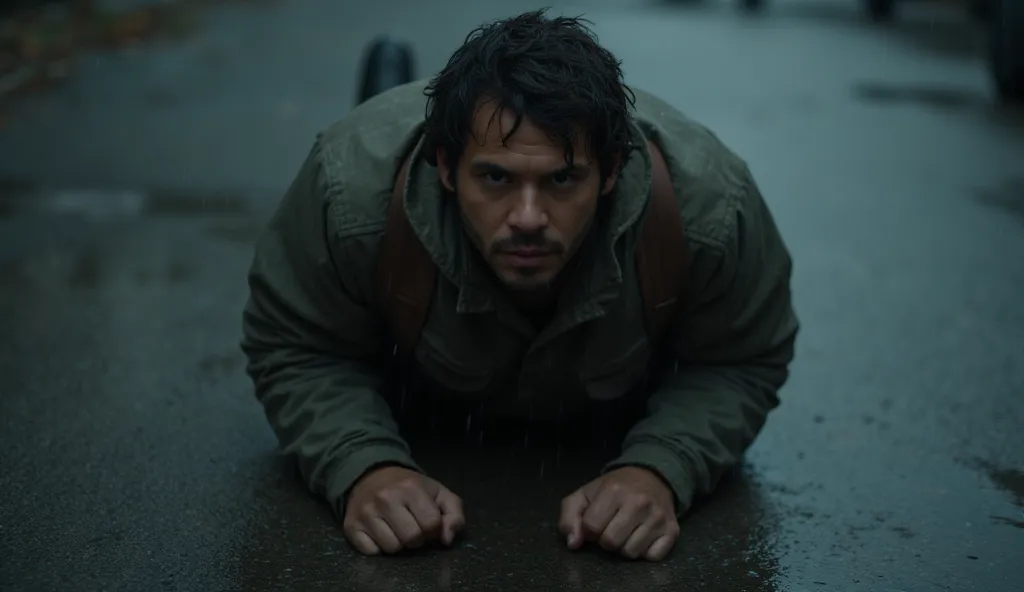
{"points": [[639, 541], [660, 548], [600, 512], [453, 520], [621, 526], [405, 526], [427, 514], [570, 520], [381, 533], [363, 543]]}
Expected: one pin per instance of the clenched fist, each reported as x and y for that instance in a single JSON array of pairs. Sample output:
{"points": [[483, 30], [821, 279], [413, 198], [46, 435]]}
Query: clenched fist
{"points": [[394, 508], [629, 510]]}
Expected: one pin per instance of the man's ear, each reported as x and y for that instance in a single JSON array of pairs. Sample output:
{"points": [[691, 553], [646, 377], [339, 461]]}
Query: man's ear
{"points": [[613, 176], [444, 170]]}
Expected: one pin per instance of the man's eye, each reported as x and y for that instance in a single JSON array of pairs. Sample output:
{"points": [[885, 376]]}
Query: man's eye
{"points": [[495, 178], [562, 178]]}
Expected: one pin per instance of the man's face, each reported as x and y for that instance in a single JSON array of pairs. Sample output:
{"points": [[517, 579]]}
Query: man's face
{"points": [[523, 207]]}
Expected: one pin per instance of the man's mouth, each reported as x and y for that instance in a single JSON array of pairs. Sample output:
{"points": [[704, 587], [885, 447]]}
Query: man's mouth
{"points": [[525, 253], [526, 257]]}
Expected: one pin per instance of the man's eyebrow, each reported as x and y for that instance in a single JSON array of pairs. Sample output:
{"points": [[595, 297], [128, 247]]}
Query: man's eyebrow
{"points": [[484, 167]]}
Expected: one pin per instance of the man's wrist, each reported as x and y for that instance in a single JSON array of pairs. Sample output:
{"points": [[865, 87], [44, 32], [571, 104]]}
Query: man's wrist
{"points": [[666, 465]]}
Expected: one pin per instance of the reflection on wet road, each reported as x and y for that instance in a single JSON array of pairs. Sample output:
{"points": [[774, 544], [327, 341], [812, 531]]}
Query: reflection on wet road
{"points": [[134, 456]]}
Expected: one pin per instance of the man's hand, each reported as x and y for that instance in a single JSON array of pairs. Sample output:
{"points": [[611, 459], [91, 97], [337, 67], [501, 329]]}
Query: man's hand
{"points": [[394, 508], [629, 510]]}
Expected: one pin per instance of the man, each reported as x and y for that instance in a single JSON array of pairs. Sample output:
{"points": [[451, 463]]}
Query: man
{"points": [[528, 184]]}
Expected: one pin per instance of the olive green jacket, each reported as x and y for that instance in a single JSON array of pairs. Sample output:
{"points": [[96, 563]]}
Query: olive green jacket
{"points": [[312, 333]]}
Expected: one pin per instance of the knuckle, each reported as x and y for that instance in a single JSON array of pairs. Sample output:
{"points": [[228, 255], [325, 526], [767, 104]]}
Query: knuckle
{"points": [[614, 487], [384, 497], [607, 542], [431, 522]]}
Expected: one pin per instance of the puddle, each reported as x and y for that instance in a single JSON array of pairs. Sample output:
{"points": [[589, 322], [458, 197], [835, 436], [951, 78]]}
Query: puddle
{"points": [[220, 365], [19, 197], [948, 31], [160, 98], [937, 97], [729, 541], [178, 204], [85, 271], [941, 98], [12, 193], [244, 232], [61, 269], [1008, 197], [1008, 480], [178, 272]]}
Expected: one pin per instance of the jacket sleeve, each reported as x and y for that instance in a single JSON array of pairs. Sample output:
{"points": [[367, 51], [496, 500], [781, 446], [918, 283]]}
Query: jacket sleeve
{"points": [[311, 342], [736, 341]]}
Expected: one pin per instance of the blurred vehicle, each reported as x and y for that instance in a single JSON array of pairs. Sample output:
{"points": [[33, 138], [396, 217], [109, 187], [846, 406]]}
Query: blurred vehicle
{"points": [[1005, 21], [1006, 49]]}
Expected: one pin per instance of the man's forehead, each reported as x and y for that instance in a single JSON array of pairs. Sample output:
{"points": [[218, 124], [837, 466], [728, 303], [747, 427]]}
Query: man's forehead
{"points": [[493, 133], [494, 122]]}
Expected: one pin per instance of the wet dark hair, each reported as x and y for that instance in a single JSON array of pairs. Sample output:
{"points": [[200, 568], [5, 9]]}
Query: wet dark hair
{"points": [[550, 70]]}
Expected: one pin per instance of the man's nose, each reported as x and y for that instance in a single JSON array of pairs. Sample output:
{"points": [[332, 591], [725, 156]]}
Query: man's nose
{"points": [[528, 214]]}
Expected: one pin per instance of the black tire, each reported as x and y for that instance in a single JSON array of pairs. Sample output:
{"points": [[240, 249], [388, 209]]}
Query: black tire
{"points": [[880, 10], [1006, 49], [387, 63]]}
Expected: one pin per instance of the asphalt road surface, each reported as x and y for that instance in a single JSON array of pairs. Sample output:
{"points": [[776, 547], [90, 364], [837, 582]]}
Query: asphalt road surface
{"points": [[134, 457]]}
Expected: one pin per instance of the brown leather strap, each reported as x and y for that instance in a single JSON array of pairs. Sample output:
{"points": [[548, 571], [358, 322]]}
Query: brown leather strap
{"points": [[406, 274], [661, 253]]}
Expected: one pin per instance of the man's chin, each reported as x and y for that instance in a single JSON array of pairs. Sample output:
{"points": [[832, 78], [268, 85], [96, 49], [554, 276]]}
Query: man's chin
{"points": [[526, 281]]}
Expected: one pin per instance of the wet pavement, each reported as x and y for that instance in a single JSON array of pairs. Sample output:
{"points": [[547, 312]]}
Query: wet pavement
{"points": [[134, 456]]}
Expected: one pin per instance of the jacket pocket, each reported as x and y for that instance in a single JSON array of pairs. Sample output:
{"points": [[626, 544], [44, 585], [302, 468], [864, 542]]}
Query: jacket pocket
{"points": [[446, 368]]}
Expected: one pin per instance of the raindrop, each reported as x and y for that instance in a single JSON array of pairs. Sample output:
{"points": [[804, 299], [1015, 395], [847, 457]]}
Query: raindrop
{"points": [[541, 469], [394, 351], [675, 369], [469, 421], [401, 399]]}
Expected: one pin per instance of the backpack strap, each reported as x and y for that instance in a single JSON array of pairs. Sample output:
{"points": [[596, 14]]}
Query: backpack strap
{"points": [[406, 275], [661, 253]]}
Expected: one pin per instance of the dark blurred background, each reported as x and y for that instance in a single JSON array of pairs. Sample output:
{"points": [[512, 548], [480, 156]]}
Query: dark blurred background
{"points": [[144, 143]]}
